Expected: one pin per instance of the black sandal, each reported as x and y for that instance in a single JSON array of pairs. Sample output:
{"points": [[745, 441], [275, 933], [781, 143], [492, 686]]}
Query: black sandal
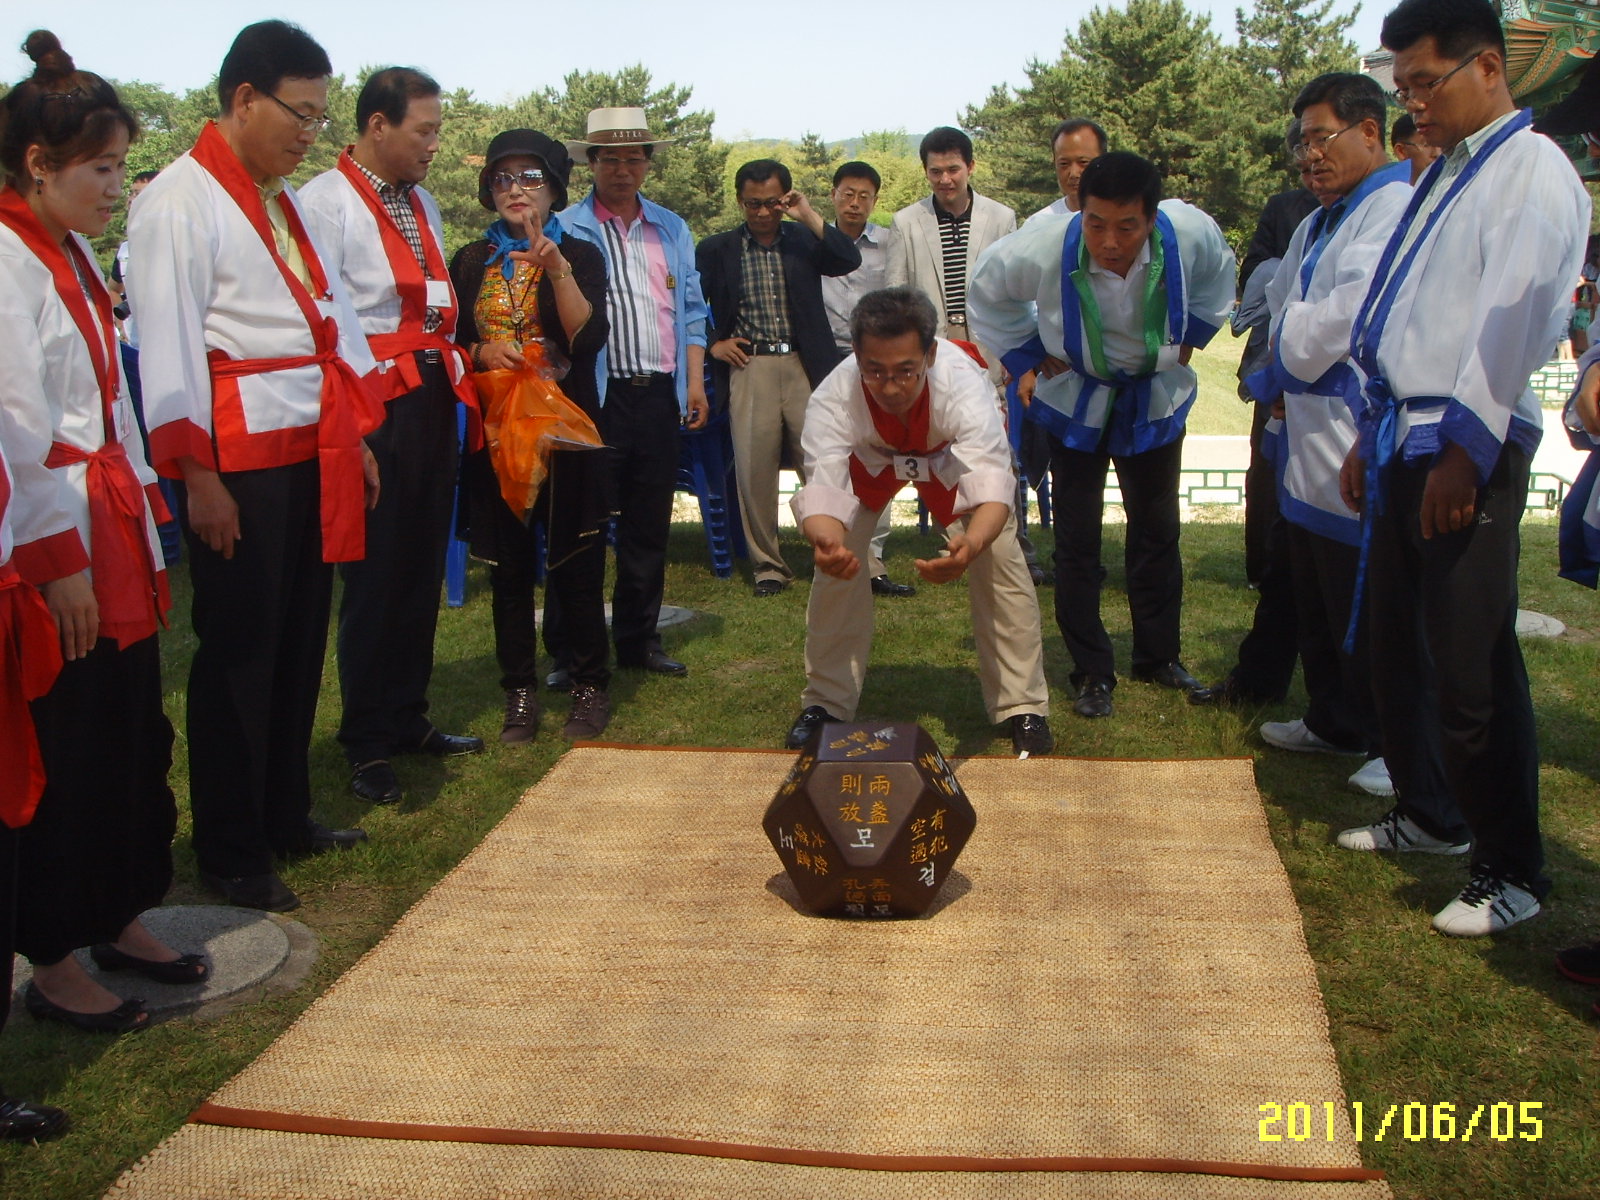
{"points": [[191, 968], [128, 1017]]}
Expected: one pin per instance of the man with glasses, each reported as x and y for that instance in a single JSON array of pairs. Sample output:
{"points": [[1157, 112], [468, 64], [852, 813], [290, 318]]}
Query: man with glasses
{"points": [[855, 195], [251, 358], [651, 377], [1146, 282], [909, 407], [384, 237], [1466, 301], [770, 340]]}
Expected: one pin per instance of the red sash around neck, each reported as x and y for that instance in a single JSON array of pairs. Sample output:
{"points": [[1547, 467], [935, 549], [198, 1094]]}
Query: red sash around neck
{"points": [[411, 283], [349, 411], [129, 586], [906, 435]]}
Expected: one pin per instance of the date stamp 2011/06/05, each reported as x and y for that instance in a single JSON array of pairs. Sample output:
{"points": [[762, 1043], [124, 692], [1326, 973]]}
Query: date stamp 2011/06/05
{"points": [[1412, 1121]]}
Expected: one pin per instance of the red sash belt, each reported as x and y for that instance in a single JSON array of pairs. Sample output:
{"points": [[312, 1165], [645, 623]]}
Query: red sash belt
{"points": [[345, 399], [130, 589], [401, 347], [30, 659]]}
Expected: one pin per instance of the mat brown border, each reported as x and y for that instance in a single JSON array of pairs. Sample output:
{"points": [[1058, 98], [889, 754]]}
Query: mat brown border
{"points": [[582, 745], [279, 1122]]}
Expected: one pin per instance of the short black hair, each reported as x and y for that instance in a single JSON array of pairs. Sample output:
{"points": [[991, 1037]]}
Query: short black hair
{"points": [[1405, 128], [858, 170], [1353, 98], [390, 92], [649, 149], [144, 176], [1121, 176], [893, 312], [267, 53], [759, 170], [1457, 27], [1074, 125], [945, 140], [1291, 135]]}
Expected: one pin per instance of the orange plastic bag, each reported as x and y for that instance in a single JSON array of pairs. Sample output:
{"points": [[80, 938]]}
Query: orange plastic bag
{"points": [[526, 417]]}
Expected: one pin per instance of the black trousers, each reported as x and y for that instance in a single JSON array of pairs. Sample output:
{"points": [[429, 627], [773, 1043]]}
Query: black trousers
{"points": [[99, 849], [576, 581], [1260, 500], [1270, 649], [1339, 686], [1149, 484], [261, 618], [390, 606], [640, 425], [1443, 616]]}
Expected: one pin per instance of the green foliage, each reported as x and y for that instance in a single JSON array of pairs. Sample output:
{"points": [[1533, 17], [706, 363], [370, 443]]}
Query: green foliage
{"points": [[1160, 82]]}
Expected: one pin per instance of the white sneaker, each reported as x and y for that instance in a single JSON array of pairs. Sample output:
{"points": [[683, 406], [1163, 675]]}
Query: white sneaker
{"points": [[1373, 778], [1293, 735], [1487, 905], [1395, 832]]}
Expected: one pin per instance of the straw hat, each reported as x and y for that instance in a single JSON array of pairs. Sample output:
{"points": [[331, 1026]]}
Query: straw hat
{"points": [[616, 127]]}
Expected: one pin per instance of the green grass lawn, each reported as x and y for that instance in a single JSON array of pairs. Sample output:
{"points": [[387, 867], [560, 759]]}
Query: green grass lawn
{"points": [[1414, 1017]]}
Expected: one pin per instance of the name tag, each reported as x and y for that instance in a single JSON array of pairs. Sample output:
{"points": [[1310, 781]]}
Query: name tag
{"points": [[122, 419], [439, 293], [911, 467]]}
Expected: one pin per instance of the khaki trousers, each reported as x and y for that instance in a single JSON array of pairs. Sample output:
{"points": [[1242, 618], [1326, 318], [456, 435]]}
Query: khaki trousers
{"points": [[766, 410], [1005, 627]]}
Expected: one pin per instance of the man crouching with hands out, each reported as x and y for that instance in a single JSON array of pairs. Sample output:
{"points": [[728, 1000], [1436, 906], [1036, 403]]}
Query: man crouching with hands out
{"points": [[907, 407]]}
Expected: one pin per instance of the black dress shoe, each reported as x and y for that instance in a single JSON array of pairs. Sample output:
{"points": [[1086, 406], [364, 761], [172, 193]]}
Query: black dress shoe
{"points": [[191, 968], [657, 662], [25, 1121], [1169, 675], [1093, 699], [559, 680], [324, 839], [265, 891], [128, 1017], [882, 585], [447, 745], [769, 587], [1228, 693], [1039, 575], [1030, 735], [376, 783], [809, 720]]}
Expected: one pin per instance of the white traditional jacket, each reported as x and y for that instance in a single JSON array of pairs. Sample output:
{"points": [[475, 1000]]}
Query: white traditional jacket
{"points": [[1023, 301], [1312, 298]]}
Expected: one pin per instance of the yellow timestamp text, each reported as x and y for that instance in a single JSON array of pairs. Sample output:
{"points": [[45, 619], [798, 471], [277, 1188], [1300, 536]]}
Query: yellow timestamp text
{"points": [[1411, 1121]]}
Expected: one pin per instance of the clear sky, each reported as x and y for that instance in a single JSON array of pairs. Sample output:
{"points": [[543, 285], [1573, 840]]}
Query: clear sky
{"points": [[834, 67]]}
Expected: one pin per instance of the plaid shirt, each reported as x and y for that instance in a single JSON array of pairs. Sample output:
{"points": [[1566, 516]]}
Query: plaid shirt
{"points": [[763, 295], [397, 200]]}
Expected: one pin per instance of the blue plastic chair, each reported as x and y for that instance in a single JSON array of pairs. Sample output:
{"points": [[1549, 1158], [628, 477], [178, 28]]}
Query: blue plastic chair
{"points": [[705, 468]]}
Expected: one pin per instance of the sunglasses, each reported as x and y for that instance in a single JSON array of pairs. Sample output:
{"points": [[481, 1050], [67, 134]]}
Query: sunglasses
{"points": [[530, 180]]}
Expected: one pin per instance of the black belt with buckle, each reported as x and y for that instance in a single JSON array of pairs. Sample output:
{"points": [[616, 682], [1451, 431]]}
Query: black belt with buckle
{"points": [[642, 381], [771, 348], [430, 356]]}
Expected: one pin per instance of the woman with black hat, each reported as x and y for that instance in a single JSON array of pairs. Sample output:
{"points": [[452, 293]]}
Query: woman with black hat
{"points": [[524, 281]]}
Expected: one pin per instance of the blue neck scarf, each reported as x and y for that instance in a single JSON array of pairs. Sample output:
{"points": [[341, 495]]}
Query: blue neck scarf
{"points": [[502, 243]]}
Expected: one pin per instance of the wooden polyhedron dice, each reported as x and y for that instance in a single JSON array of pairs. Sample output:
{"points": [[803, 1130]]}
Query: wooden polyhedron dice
{"points": [[869, 821]]}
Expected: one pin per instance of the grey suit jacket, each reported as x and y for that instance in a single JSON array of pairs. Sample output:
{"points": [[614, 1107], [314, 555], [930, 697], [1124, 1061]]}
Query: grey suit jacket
{"points": [[916, 257]]}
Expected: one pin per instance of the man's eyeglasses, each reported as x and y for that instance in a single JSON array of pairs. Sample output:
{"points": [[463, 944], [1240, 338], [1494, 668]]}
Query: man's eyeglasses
{"points": [[1318, 145], [530, 180], [309, 124], [1423, 92], [776, 205], [877, 377]]}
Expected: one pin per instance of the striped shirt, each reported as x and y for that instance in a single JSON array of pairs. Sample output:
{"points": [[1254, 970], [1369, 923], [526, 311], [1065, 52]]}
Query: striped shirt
{"points": [[639, 297], [397, 203], [763, 295], [953, 234]]}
